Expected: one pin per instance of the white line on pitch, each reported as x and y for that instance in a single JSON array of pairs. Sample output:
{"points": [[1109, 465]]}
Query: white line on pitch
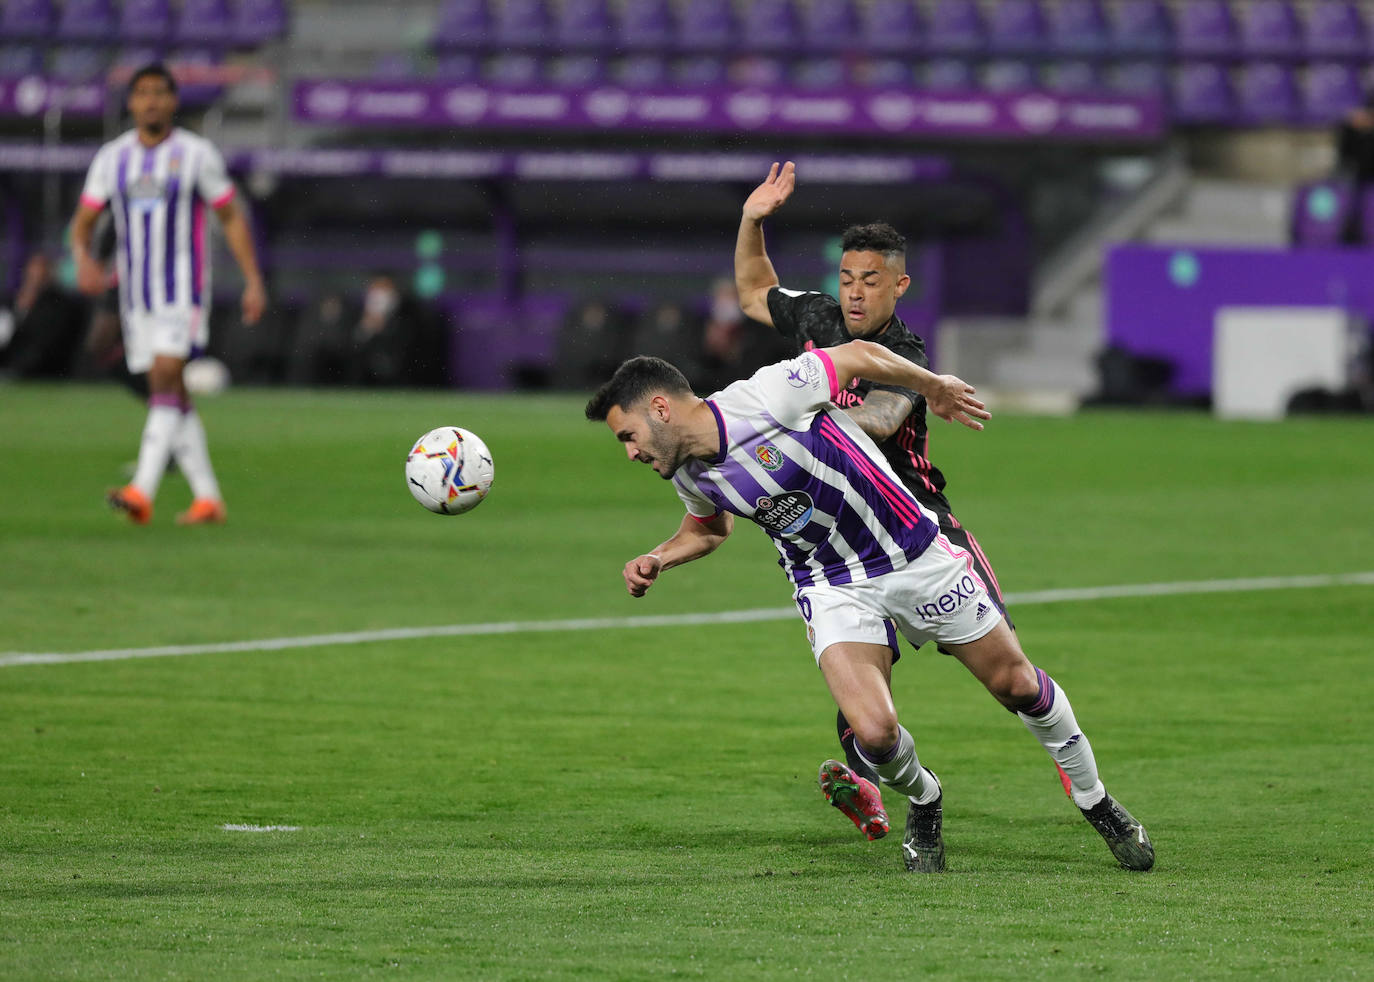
{"points": [[1244, 585], [260, 828]]}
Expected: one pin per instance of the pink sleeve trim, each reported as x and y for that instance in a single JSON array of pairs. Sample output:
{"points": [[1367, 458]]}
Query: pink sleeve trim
{"points": [[223, 199], [829, 372], [706, 519], [91, 201]]}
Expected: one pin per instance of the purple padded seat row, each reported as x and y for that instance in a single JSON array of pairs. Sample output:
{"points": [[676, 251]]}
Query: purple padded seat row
{"points": [[1322, 213], [26, 20]]}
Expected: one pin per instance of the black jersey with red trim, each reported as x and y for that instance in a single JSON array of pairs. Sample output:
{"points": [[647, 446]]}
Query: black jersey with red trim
{"points": [[815, 320]]}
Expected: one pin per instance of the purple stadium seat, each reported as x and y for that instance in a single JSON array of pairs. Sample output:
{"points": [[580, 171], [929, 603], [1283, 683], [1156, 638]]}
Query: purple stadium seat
{"points": [[956, 26], [1139, 78], [1323, 211], [463, 25], [1202, 93], [77, 63], [17, 60], [949, 75], [1008, 75], [1017, 27], [773, 26], [583, 25], [706, 25], [513, 69], [756, 71], [641, 71], [457, 66], [87, 20], [646, 25], [1079, 27], [1363, 226], [488, 352], [204, 22], [1206, 29], [890, 27], [259, 21], [145, 21], [392, 66], [1270, 29], [698, 71], [574, 71], [522, 24], [1330, 90], [1268, 93], [196, 72], [830, 26], [820, 74], [1335, 29], [882, 73], [1142, 27], [1074, 76], [22, 20]]}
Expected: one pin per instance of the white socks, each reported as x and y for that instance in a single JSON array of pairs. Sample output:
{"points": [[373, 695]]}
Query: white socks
{"points": [[193, 455], [164, 419], [899, 768], [1051, 721]]}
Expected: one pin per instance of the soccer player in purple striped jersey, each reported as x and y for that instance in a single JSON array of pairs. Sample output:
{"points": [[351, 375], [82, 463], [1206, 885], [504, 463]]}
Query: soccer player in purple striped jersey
{"points": [[863, 554], [159, 180], [872, 279]]}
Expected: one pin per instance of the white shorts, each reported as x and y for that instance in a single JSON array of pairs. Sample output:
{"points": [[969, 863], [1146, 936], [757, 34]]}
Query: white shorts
{"points": [[175, 332], [939, 597]]}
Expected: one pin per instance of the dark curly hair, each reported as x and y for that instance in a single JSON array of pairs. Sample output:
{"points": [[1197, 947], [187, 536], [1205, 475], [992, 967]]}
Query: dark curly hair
{"points": [[633, 381], [877, 237]]}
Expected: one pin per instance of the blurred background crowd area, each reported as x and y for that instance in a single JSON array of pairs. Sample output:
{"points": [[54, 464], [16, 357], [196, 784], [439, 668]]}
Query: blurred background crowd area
{"points": [[518, 193]]}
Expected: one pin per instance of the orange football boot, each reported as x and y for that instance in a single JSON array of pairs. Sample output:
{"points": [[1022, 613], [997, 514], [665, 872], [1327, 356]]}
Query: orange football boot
{"points": [[204, 511], [132, 502]]}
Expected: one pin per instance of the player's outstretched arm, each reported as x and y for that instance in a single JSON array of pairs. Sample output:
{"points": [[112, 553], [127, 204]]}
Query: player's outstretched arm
{"points": [[947, 396], [754, 273], [694, 539]]}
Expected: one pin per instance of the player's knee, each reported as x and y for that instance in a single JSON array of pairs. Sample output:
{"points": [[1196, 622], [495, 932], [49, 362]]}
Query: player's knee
{"points": [[1014, 686], [875, 733]]}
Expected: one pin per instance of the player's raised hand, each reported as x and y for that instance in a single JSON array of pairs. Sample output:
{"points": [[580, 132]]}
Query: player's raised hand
{"points": [[952, 400], [641, 572], [769, 196]]}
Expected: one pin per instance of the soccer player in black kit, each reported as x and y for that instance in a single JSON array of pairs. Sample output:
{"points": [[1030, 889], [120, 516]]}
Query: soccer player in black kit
{"points": [[872, 278]]}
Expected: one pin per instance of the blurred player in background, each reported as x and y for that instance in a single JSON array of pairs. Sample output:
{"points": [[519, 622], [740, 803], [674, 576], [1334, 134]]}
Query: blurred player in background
{"points": [[158, 179], [872, 278], [862, 553]]}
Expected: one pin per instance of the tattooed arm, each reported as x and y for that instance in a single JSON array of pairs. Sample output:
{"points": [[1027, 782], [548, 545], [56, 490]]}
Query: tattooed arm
{"points": [[881, 413]]}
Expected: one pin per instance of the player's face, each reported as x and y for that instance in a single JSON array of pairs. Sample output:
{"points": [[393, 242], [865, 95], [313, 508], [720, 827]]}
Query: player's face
{"points": [[869, 287], [647, 439], [152, 104]]}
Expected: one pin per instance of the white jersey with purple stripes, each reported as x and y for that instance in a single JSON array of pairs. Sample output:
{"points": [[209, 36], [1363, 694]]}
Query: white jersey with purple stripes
{"points": [[158, 196], [798, 466]]}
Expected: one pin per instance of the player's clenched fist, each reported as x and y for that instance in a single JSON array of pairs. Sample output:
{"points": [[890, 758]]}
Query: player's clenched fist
{"points": [[641, 572]]}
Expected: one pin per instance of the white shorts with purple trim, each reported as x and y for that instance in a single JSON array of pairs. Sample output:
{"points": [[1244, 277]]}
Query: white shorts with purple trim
{"points": [[938, 597], [177, 333]]}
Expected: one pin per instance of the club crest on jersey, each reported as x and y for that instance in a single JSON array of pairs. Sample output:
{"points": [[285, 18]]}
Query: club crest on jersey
{"points": [[787, 513], [769, 456]]}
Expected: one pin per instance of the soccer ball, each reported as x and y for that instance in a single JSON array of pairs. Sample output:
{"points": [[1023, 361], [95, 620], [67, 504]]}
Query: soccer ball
{"points": [[449, 470]]}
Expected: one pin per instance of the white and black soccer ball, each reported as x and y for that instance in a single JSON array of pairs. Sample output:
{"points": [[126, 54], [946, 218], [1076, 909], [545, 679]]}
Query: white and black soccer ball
{"points": [[449, 470]]}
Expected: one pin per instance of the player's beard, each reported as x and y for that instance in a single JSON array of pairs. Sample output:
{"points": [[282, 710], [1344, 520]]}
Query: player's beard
{"points": [[665, 448]]}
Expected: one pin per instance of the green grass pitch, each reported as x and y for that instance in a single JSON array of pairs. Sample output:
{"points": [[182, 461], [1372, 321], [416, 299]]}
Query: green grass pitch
{"points": [[640, 802]]}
